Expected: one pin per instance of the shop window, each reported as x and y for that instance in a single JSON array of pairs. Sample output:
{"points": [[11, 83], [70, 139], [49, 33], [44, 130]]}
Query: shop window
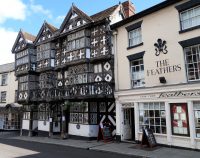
{"points": [[79, 113], [197, 118], [179, 118], [137, 73], [190, 18], [11, 121], [153, 116], [135, 37], [192, 55]]}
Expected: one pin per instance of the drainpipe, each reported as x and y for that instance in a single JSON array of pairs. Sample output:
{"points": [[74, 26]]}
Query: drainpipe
{"points": [[116, 61]]}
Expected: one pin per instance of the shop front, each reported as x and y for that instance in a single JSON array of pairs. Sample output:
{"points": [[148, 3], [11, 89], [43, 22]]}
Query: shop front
{"points": [[173, 114]]}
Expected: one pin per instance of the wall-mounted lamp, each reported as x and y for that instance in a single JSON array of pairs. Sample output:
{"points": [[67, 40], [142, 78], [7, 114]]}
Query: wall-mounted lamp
{"points": [[162, 80]]}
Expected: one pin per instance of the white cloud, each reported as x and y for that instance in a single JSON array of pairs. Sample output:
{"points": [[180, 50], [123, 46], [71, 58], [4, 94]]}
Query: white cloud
{"points": [[12, 9], [37, 8], [59, 19], [7, 40]]}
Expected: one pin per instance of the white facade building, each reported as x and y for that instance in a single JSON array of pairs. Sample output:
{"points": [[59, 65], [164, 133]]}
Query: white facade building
{"points": [[157, 74], [9, 110]]}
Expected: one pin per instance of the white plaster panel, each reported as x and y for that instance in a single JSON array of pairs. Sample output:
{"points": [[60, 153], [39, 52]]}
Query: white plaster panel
{"points": [[42, 126], [181, 141], [25, 124], [85, 130]]}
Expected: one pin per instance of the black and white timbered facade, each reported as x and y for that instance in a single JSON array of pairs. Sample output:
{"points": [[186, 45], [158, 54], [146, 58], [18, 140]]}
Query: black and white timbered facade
{"points": [[66, 75]]}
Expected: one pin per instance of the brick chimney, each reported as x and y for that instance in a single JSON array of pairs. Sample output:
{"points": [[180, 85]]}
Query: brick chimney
{"points": [[128, 8]]}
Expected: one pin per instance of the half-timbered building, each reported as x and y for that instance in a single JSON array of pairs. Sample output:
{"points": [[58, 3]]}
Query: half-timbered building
{"points": [[25, 71], [74, 73]]}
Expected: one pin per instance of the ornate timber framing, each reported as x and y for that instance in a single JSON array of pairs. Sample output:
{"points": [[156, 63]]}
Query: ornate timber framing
{"points": [[65, 66]]}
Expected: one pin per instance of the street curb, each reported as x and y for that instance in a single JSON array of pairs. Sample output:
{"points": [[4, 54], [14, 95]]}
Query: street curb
{"points": [[78, 147], [106, 151]]}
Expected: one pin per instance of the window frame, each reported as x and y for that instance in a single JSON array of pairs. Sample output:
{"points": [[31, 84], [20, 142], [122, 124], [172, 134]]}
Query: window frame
{"points": [[6, 79], [131, 73], [196, 110], [148, 117], [79, 113], [193, 63], [190, 18], [137, 37], [187, 119], [3, 100]]}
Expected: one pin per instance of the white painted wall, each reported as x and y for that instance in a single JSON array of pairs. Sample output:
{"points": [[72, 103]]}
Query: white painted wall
{"points": [[25, 124], [12, 85], [163, 24], [42, 126], [116, 16], [85, 130]]}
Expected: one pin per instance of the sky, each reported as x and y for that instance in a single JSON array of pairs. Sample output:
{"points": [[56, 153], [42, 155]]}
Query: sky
{"points": [[29, 15]]}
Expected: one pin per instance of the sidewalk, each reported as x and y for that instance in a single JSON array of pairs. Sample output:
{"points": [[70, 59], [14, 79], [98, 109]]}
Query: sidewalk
{"points": [[120, 148]]}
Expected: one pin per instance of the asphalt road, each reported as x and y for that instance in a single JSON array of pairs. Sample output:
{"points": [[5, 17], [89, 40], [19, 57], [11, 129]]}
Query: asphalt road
{"points": [[10, 148]]}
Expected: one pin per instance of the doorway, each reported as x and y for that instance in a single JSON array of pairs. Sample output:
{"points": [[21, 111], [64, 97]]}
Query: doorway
{"points": [[129, 125]]}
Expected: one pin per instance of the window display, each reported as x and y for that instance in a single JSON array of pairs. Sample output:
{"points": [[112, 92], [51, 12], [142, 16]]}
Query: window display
{"points": [[197, 118], [180, 123], [153, 116]]}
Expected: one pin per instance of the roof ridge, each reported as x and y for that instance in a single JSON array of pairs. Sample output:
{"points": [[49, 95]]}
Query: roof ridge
{"points": [[82, 12], [104, 13]]}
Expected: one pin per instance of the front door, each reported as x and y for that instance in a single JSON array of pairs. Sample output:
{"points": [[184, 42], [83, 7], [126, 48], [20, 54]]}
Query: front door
{"points": [[128, 130]]}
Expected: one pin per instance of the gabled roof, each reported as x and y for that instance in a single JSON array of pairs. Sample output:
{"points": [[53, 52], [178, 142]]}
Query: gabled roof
{"points": [[27, 37], [104, 14], [52, 29], [72, 10]]}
